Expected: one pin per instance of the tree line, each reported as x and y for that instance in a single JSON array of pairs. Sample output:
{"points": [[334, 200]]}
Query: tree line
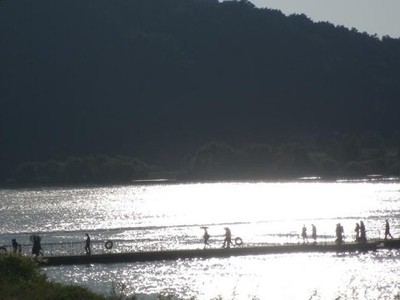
{"points": [[338, 157], [82, 170]]}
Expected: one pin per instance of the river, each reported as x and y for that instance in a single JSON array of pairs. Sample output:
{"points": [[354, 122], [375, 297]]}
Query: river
{"points": [[170, 216]]}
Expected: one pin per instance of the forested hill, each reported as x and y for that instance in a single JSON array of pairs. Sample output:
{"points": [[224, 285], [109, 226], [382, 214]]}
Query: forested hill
{"points": [[157, 78]]}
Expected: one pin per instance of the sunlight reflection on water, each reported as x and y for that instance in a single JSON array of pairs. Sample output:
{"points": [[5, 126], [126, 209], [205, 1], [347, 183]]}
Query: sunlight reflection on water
{"points": [[296, 276], [170, 216]]}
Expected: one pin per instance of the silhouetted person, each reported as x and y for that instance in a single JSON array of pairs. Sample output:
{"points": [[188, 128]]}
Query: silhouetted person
{"points": [[304, 234], [37, 247], [339, 233], [357, 230], [314, 233], [206, 237], [363, 235], [14, 245], [387, 230], [228, 238], [87, 244]]}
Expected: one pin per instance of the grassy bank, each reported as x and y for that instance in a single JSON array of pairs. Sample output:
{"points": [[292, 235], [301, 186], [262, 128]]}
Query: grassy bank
{"points": [[21, 278]]}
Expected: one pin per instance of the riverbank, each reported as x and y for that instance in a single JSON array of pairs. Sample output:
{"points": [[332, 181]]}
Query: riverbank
{"points": [[20, 278]]}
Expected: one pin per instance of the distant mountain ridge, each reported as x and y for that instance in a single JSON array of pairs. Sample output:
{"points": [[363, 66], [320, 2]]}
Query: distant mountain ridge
{"points": [[159, 78]]}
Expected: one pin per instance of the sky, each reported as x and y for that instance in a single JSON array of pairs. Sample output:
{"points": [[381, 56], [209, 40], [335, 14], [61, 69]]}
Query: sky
{"points": [[381, 17]]}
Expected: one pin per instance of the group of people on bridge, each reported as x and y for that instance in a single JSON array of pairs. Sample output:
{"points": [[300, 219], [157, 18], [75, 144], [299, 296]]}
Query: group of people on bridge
{"points": [[37, 246], [227, 239], [360, 231], [17, 247], [360, 237], [313, 233]]}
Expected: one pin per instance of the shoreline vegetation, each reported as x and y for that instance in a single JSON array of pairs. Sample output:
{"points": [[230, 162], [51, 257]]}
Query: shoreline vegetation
{"points": [[21, 278], [366, 156]]}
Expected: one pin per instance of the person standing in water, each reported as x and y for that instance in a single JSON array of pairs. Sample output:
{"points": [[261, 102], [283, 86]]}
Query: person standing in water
{"points": [[87, 244]]}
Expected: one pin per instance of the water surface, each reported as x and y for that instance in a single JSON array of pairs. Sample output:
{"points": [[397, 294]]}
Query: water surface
{"points": [[169, 216]]}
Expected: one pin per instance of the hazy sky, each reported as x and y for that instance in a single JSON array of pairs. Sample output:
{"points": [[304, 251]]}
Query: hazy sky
{"points": [[372, 16]]}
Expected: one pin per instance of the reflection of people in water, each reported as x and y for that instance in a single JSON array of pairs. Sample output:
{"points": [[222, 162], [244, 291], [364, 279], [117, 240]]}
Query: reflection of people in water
{"points": [[387, 230], [206, 237], [87, 244], [357, 230], [228, 238], [363, 235], [339, 233], [314, 233], [304, 234]]}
